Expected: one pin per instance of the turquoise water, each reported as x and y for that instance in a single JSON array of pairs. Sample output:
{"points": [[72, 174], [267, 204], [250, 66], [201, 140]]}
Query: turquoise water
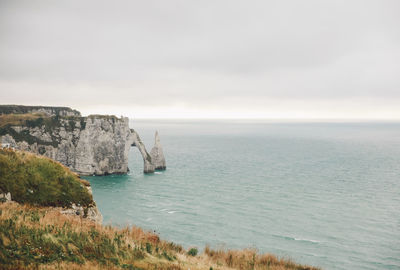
{"points": [[322, 194]]}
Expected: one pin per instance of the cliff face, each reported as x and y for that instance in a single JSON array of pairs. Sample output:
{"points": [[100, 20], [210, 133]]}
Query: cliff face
{"points": [[97, 144]]}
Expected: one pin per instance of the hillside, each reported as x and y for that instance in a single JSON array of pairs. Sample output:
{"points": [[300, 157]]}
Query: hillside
{"points": [[36, 236], [40, 181], [43, 238]]}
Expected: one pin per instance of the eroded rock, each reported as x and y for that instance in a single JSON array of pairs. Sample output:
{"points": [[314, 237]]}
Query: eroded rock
{"points": [[157, 154]]}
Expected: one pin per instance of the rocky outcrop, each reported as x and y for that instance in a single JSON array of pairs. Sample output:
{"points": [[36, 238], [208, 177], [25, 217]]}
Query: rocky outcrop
{"points": [[91, 213], [5, 197], [93, 145], [148, 166], [157, 154]]}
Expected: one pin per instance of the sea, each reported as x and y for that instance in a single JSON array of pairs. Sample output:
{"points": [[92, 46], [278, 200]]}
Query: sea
{"points": [[323, 194]]}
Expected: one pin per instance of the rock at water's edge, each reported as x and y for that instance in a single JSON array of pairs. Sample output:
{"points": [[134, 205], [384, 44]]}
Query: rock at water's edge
{"points": [[157, 154]]}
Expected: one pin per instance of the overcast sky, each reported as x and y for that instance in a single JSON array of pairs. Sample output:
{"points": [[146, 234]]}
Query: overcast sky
{"points": [[204, 59]]}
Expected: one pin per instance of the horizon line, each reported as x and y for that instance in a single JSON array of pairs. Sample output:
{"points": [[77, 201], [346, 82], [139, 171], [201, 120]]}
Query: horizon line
{"points": [[324, 120]]}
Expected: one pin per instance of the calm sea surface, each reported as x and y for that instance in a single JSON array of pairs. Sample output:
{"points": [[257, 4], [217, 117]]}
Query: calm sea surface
{"points": [[322, 194]]}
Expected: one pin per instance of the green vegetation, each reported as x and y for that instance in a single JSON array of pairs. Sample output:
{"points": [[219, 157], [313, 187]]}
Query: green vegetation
{"points": [[30, 237], [20, 109], [40, 181], [193, 252]]}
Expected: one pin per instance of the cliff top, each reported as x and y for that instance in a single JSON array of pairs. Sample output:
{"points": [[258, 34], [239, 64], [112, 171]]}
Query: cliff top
{"points": [[104, 116], [53, 111]]}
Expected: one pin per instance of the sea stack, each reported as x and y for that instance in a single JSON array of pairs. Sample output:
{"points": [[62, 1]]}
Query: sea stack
{"points": [[157, 154]]}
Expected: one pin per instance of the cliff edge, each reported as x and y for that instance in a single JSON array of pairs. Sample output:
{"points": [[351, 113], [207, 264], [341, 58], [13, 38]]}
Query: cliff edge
{"points": [[27, 178]]}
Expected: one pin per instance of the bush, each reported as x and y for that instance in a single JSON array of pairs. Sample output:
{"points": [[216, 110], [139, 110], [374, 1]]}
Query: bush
{"points": [[193, 252], [148, 248]]}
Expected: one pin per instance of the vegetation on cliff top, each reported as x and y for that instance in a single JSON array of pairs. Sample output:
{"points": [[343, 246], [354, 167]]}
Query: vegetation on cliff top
{"points": [[38, 180], [19, 119], [21, 109]]}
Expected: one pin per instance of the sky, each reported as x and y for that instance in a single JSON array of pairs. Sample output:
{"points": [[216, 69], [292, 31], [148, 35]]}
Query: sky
{"points": [[276, 59]]}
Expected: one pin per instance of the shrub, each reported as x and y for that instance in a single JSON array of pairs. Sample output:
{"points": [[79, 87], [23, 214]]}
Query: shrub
{"points": [[148, 248], [193, 252]]}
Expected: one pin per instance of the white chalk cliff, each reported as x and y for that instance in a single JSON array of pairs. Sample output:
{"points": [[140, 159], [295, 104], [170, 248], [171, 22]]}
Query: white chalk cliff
{"points": [[93, 145]]}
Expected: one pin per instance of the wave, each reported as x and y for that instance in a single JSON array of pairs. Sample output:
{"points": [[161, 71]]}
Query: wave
{"points": [[306, 240], [298, 239]]}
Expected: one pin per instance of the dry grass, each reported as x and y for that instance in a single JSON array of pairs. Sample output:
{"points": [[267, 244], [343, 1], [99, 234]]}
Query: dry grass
{"points": [[251, 259], [19, 119], [133, 248]]}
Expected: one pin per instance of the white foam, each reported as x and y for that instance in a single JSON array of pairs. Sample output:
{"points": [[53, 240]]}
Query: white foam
{"points": [[306, 240]]}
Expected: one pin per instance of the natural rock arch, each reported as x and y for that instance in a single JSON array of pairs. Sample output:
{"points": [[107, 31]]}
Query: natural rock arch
{"points": [[153, 161]]}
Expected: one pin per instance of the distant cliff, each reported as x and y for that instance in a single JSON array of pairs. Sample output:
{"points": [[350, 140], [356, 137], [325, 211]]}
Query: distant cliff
{"points": [[96, 144], [52, 111]]}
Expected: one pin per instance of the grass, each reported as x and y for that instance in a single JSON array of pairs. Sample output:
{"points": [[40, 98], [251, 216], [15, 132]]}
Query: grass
{"points": [[43, 238], [18, 119], [40, 181]]}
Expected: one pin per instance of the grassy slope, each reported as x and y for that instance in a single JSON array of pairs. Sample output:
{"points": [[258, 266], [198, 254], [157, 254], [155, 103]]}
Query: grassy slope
{"points": [[42, 238], [33, 236], [38, 180]]}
